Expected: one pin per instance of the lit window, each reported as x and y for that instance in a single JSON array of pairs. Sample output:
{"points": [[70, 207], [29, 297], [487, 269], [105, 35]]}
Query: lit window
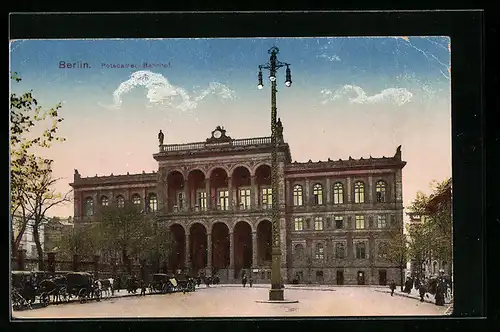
{"points": [[267, 197], [104, 201], [88, 207], [339, 222], [360, 250], [318, 223], [359, 192], [380, 191], [360, 222], [299, 224], [202, 200], [299, 251], [152, 203], [317, 194], [381, 221], [320, 251], [297, 195], [338, 193], [120, 201], [224, 199], [339, 250], [136, 199], [245, 199]]}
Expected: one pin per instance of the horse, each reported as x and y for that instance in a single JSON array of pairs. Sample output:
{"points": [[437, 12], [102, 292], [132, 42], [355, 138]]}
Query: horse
{"points": [[106, 286], [55, 287]]}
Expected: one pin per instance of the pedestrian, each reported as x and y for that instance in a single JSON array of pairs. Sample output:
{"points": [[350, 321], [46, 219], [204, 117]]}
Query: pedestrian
{"points": [[440, 290], [244, 280], [421, 291], [250, 281], [392, 286], [143, 288]]}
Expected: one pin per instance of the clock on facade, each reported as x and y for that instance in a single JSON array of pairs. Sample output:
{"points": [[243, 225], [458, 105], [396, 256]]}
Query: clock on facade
{"points": [[217, 133]]}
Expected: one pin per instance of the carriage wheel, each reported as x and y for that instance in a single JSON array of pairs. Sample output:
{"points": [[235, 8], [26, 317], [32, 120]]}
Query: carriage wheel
{"points": [[44, 299], [98, 294], [63, 294], [82, 295], [17, 300]]}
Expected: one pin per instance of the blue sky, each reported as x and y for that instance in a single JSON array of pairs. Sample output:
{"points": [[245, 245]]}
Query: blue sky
{"points": [[350, 97]]}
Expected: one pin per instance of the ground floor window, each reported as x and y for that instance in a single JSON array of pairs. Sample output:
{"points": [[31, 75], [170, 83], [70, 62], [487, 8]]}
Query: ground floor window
{"points": [[319, 276]]}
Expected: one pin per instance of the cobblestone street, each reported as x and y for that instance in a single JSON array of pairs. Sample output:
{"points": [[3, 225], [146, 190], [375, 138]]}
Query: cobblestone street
{"points": [[233, 301]]}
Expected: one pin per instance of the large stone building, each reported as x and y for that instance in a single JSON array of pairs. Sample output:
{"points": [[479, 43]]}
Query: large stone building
{"points": [[216, 197]]}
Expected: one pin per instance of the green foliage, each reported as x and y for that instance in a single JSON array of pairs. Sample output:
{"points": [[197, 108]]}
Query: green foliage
{"points": [[77, 240], [30, 179], [432, 237]]}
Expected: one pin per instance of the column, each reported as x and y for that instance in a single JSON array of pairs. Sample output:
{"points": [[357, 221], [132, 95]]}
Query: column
{"points": [[231, 250], [289, 193], [399, 186], [349, 190], [231, 194], [145, 200], [187, 200], [370, 188], [328, 192], [255, 192], [188, 251], [208, 194], [254, 250], [307, 198], [209, 251], [166, 197]]}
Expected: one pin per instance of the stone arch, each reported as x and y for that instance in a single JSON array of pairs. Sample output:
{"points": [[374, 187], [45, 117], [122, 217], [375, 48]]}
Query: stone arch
{"points": [[250, 169], [174, 170], [198, 246], [256, 166], [199, 221], [264, 241], [197, 168], [213, 168], [177, 259], [242, 246], [220, 245], [246, 220]]}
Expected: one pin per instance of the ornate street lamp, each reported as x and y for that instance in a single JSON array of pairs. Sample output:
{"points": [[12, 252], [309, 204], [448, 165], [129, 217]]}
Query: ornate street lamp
{"points": [[276, 291]]}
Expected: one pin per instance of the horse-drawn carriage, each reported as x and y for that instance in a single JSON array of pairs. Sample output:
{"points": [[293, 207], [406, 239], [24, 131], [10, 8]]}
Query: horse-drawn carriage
{"points": [[81, 285], [185, 283], [162, 283], [25, 290]]}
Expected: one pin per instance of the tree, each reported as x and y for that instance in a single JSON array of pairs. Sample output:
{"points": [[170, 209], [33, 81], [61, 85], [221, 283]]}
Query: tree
{"points": [[38, 199], [77, 240], [157, 244], [30, 128], [397, 252], [123, 230]]}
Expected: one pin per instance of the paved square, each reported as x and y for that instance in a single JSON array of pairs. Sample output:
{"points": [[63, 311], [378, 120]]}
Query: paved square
{"points": [[234, 301]]}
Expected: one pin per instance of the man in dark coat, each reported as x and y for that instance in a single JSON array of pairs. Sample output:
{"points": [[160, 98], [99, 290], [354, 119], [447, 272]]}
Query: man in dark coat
{"points": [[392, 286], [244, 280], [440, 290], [421, 291]]}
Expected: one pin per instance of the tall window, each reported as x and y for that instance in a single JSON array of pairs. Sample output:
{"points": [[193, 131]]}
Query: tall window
{"points": [[267, 198], [152, 203], [360, 222], [299, 251], [224, 199], [381, 221], [88, 207], [360, 250], [317, 194], [136, 199], [104, 201], [318, 223], [380, 191], [339, 250], [320, 251], [298, 224], [382, 250], [297, 195], [338, 193], [245, 199], [359, 192], [120, 201], [339, 222], [202, 200]]}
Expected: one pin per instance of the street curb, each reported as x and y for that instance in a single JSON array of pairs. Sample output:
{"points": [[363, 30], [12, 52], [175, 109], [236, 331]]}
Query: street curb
{"points": [[411, 297], [286, 288]]}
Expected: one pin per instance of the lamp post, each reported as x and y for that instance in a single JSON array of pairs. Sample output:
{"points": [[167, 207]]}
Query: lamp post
{"points": [[276, 291]]}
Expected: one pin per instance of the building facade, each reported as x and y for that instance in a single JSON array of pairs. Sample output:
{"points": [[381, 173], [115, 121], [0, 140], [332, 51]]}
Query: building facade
{"points": [[28, 239], [335, 216], [54, 229]]}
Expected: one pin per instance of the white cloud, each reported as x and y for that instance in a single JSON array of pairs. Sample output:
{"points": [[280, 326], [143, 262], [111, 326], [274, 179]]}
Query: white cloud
{"points": [[329, 57], [161, 91], [356, 95]]}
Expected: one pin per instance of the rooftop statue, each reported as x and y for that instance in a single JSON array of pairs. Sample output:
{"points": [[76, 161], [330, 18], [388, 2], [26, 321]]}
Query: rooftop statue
{"points": [[161, 136]]}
